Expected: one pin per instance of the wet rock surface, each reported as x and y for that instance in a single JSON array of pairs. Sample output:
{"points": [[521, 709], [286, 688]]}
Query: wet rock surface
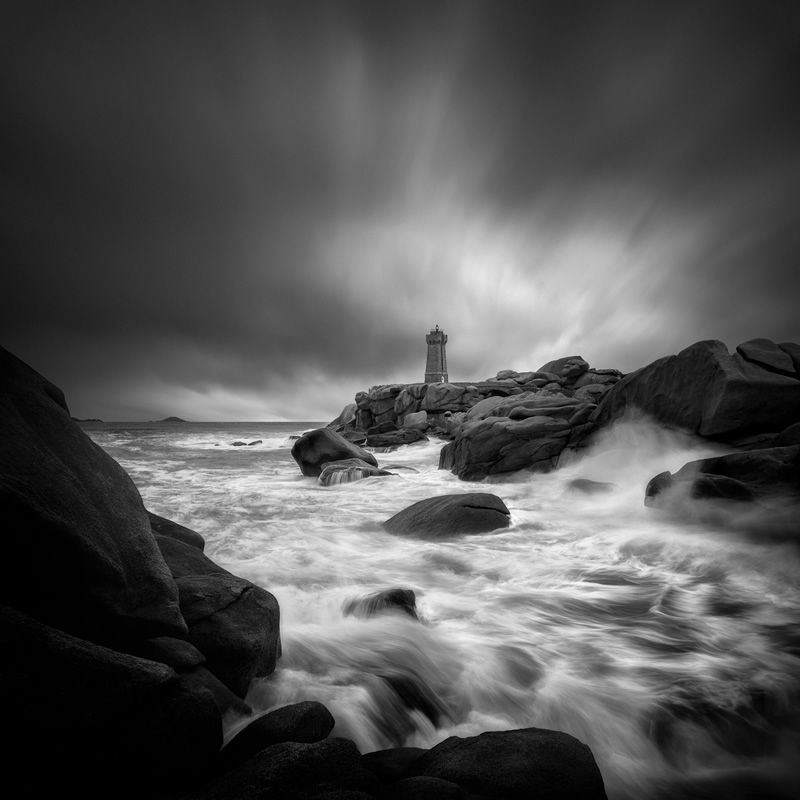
{"points": [[473, 512]]}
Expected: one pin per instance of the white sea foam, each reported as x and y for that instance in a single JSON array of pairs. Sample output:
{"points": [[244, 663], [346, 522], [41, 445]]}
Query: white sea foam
{"points": [[671, 649]]}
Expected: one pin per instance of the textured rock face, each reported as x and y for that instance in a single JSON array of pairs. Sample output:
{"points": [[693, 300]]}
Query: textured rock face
{"points": [[531, 762], [234, 623], [528, 431], [442, 397], [319, 447], [393, 439], [77, 517], [349, 471], [756, 490], [707, 391], [474, 512]]}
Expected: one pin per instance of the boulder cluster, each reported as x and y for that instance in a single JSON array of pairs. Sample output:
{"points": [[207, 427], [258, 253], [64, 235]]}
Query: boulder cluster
{"points": [[746, 401], [516, 420], [128, 652]]}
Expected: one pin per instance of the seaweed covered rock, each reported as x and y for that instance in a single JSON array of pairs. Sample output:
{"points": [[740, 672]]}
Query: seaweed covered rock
{"points": [[527, 431]]}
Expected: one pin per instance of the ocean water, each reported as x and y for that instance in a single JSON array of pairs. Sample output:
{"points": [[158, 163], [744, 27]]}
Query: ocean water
{"points": [[671, 649]]}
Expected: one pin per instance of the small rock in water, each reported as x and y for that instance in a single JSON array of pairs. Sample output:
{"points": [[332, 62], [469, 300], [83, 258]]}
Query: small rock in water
{"points": [[396, 599], [590, 487], [349, 470]]}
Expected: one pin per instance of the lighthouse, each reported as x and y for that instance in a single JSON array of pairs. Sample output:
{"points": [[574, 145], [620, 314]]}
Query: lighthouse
{"points": [[436, 365]]}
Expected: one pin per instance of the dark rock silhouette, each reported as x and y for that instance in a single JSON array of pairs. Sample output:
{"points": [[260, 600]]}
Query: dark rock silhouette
{"points": [[524, 763], [78, 517]]}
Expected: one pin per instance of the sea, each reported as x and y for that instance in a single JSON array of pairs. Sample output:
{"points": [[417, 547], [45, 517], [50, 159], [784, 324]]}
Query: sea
{"points": [[671, 648]]}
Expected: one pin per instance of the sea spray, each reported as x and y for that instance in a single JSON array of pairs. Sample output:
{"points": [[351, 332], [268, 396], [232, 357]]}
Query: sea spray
{"points": [[671, 649]]}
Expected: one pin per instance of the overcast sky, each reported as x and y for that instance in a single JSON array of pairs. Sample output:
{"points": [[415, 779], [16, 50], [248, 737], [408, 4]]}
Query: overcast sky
{"points": [[253, 210]]}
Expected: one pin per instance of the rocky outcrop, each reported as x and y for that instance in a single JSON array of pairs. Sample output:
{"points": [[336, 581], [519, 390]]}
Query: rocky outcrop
{"points": [[473, 512], [439, 408], [528, 431], [757, 490], [706, 390], [314, 449]]}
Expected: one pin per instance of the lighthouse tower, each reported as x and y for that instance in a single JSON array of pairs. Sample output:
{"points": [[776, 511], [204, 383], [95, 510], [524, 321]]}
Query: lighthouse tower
{"points": [[436, 366]]}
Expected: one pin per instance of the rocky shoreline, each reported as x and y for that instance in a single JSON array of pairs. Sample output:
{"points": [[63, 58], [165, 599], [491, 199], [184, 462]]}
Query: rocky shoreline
{"points": [[130, 652]]}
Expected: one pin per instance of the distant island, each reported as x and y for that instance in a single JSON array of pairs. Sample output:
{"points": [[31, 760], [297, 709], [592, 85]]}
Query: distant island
{"points": [[172, 419], [88, 419]]}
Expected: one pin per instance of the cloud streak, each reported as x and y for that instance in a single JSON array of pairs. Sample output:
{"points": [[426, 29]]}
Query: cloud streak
{"points": [[260, 209]]}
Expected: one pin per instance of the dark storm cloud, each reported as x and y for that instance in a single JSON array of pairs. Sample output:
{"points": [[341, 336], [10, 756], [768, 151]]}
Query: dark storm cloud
{"points": [[252, 209]]}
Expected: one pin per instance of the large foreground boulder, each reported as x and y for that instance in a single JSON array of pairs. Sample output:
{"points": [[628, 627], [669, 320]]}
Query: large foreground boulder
{"points": [[706, 390], [473, 512], [314, 449], [234, 623], [101, 723], [526, 763], [73, 515]]}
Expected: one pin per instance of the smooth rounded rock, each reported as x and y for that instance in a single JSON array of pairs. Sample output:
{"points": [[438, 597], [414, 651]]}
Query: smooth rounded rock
{"points": [[473, 512]]}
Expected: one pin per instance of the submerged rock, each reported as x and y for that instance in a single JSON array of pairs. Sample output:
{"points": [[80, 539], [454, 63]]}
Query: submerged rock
{"points": [[349, 470], [397, 599], [473, 512], [591, 487]]}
